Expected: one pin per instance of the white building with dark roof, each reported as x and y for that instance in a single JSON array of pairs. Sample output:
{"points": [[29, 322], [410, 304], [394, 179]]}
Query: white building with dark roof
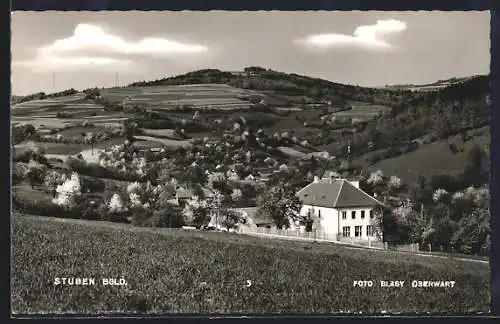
{"points": [[340, 208]]}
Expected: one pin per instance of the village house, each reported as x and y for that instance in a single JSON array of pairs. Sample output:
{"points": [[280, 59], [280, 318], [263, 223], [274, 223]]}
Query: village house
{"points": [[182, 195], [339, 207]]}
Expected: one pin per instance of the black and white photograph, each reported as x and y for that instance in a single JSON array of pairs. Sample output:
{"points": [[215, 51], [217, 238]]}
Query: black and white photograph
{"points": [[250, 162]]}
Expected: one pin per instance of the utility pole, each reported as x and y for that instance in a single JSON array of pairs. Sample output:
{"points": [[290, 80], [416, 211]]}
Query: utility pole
{"points": [[116, 79]]}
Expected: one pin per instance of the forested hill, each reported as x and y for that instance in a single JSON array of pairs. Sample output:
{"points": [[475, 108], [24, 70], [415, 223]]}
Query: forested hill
{"points": [[257, 78], [437, 114]]}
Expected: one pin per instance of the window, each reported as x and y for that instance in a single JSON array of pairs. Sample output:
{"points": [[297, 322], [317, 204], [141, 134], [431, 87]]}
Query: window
{"points": [[319, 213], [353, 214], [369, 230], [371, 213], [357, 230], [362, 214], [344, 215], [346, 231]]}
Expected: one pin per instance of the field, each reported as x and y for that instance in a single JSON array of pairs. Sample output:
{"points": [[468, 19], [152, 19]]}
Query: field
{"points": [[165, 270], [363, 112], [163, 141], [72, 104], [291, 152], [62, 149], [32, 194], [50, 102], [215, 96], [77, 131], [161, 133], [427, 160], [46, 123]]}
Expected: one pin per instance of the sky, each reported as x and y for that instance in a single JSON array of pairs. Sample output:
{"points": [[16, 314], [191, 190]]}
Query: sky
{"points": [[54, 51]]}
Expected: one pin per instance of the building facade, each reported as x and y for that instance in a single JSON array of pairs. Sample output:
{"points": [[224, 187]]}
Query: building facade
{"points": [[339, 208]]}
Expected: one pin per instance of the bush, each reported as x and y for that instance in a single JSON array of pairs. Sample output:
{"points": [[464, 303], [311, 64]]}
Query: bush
{"points": [[260, 120], [140, 217], [75, 164], [169, 216], [97, 171], [91, 184], [44, 208], [116, 217], [453, 148], [20, 133], [64, 114], [446, 182], [17, 176], [91, 213]]}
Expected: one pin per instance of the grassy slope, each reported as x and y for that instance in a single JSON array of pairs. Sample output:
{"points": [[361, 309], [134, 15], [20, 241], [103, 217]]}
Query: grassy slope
{"points": [[164, 271], [427, 160]]}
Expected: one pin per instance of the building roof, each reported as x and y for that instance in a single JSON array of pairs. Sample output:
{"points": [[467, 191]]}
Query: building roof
{"points": [[184, 193], [337, 193]]}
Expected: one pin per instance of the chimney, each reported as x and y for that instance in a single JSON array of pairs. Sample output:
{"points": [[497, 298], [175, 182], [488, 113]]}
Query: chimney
{"points": [[316, 179]]}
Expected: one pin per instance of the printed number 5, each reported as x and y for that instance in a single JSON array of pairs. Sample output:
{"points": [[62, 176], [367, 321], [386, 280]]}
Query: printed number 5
{"points": [[249, 283]]}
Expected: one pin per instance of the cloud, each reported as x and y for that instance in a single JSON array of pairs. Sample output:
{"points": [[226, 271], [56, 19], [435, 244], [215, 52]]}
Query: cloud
{"points": [[367, 36], [92, 46]]}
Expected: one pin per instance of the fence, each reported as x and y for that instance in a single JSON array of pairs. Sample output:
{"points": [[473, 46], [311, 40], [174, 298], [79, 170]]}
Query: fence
{"points": [[371, 243], [310, 236]]}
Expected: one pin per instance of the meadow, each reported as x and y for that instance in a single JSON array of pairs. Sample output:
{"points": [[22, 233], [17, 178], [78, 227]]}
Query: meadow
{"points": [[430, 159], [363, 112], [215, 96], [178, 271]]}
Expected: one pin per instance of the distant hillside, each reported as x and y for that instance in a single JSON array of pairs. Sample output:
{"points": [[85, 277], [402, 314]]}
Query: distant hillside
{"points": [[447, 156], [396, 120], [434, 115], [434, 86]]}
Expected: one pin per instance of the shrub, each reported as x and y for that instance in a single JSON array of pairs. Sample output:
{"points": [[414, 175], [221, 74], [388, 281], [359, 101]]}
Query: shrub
{"points": [[44, 208], [168, 216], [20, 133], [64, 114], [260, 120], [91, 184], [453, 148], [91, 213], [35, 172], [140, 217], [75, 164]]}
